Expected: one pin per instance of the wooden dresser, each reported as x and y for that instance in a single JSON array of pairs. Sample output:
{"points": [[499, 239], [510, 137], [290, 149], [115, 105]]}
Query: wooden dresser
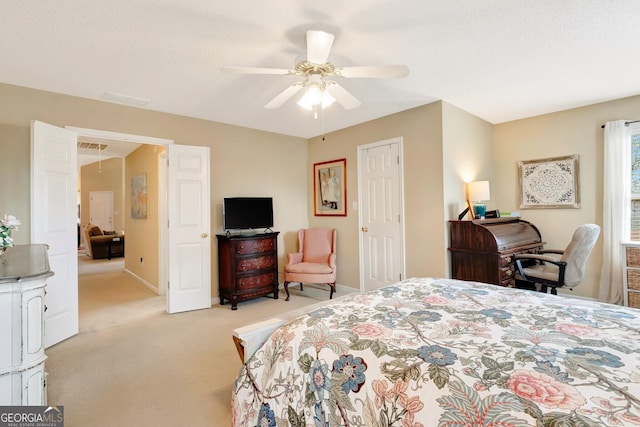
{"points": [[247, 266], [24, 270], [482, 250], [631, 274]]}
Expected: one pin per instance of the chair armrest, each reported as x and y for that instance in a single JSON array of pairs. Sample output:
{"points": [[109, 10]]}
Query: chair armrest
{"points": [[332, 261], [524, 257], [551, 251], [537, 257], [294, 258]]}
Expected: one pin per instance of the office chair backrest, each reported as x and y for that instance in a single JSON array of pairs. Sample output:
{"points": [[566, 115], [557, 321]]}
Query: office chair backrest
{"points": [[576, 254]]}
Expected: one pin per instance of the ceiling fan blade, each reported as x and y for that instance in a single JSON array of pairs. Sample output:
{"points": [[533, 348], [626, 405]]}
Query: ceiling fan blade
{"points": [[255, 70], [348, 101], [318, 46], [374, 71], [284, 96]]}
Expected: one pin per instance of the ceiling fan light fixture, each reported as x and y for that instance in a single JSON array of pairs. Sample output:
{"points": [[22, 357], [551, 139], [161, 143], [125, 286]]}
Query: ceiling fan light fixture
{"points": [[314, 96]]}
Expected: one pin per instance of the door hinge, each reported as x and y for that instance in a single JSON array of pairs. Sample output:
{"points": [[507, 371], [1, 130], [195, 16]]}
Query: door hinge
{"points": [[400, 276], [398, 159], [168, 284]]}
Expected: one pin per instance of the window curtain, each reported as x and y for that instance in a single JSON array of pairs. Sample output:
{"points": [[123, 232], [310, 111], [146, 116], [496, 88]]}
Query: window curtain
{"points": [[616, 208]]}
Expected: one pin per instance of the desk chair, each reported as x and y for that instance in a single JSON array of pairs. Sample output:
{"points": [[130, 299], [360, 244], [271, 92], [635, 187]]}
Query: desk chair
{"points": [[558, 268]]}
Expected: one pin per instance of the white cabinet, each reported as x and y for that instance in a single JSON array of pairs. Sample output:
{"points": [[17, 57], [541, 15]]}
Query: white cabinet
{"points": [[631, 275], [24, 270]]}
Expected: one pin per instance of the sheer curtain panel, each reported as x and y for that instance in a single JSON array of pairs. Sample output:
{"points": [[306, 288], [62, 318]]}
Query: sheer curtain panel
{"points": [[616, 208]]}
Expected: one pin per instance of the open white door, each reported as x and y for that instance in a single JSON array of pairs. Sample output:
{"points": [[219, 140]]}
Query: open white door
{"points": [[53, 221], [189, 223]]}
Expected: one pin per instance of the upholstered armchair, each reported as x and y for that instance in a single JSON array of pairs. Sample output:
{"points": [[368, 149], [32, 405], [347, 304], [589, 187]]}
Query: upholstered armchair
{"points": [[558, 268], [315, 261], [102, 244]]}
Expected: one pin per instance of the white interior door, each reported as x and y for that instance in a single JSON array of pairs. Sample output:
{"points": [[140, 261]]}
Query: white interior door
{"points": [[101, 209], [189, 234], [381, 218], [54, 222]]}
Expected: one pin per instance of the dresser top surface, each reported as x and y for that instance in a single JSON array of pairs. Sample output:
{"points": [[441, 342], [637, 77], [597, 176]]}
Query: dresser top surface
{"points": [[22, 262]]}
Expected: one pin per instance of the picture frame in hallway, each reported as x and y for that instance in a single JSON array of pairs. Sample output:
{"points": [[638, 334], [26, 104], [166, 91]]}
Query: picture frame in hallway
{"points": [[330, 188], [139, 196], [549, 183]]}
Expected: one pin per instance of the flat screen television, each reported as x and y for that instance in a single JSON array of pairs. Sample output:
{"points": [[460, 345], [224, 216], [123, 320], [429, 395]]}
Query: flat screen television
{"points": [[242, 213]]}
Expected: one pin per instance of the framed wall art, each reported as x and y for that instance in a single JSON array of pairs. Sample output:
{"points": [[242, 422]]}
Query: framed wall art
{"points": [[549, 183], [330, 188], [139, 196]]}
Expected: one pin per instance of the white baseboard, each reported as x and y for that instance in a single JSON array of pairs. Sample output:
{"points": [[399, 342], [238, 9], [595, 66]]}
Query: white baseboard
{"points": [[144, 282]]}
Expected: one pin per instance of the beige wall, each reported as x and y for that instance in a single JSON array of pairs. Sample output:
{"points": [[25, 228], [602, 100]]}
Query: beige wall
{"points": [[577, 131], [141, 234], [108, 176], [15, 181], [441, 143], [421, 131], [243, 161], [467, 143]]}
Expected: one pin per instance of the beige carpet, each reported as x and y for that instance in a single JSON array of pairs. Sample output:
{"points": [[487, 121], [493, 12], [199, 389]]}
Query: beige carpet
{"points": [[156, 369], [108, 296]]}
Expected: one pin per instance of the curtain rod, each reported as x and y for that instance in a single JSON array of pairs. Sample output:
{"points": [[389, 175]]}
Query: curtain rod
{"points": [[625, 123]]}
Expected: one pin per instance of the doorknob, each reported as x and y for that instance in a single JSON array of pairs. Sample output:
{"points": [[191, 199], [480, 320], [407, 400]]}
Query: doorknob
{"points": [[365, 229], [204, 235]]}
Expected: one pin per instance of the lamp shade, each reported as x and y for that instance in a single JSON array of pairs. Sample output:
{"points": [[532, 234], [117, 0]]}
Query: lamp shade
{"points": [[478, 191]]}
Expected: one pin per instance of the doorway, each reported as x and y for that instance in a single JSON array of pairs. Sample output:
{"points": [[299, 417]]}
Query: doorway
{"points": [[381, 214], [101, 209], [54, 177], [108, 291]]}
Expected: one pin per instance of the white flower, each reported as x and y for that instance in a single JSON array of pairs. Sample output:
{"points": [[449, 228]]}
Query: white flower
{"points": [[7, 225], [11, 222]]}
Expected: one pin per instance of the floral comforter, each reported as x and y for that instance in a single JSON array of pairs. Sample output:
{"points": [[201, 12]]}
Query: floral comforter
{"points": [[441, 352]]}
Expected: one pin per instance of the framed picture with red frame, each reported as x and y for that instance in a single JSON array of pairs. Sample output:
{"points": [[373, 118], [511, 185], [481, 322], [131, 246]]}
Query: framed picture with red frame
{"points": [[330, 188]]}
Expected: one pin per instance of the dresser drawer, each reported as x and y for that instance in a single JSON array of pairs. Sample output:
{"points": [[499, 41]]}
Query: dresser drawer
{"points": [[634, 299], [506, 273], [633, 256], [255, 263], [254, 246], [633, 279], [257, 281]]}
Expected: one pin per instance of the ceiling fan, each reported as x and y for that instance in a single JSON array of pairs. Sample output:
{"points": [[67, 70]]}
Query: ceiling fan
{"points": [[316, 72]]}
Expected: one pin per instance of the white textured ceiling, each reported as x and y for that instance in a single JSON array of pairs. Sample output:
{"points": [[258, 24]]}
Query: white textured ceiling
{"points": [[498, 59]]}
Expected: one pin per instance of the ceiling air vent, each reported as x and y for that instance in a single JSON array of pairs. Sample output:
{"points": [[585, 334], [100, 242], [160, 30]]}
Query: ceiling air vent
{"points": [[91, 146]]}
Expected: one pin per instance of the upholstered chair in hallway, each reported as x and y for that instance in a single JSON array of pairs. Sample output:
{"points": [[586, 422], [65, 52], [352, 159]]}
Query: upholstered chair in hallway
{"points": [[315, 261]]}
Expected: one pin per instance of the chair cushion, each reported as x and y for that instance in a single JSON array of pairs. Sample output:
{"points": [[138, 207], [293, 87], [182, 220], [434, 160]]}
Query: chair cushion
{"points": [[546, 271], [308, 268], [317, 245]]}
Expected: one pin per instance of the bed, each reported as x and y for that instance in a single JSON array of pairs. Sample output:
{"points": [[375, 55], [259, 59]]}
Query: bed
{"points": [[443, 352]]}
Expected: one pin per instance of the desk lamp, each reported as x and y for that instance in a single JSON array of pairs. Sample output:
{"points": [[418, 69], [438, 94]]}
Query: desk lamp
{"points": [[478, 193]]}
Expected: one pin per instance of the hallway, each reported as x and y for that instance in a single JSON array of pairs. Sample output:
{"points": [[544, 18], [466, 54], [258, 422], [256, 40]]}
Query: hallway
{"points": [[108, 296]]}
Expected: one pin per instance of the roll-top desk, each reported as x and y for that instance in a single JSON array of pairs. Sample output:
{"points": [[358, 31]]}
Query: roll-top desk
{"points": [[482, 250], [247, 266], [24, 270]]}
